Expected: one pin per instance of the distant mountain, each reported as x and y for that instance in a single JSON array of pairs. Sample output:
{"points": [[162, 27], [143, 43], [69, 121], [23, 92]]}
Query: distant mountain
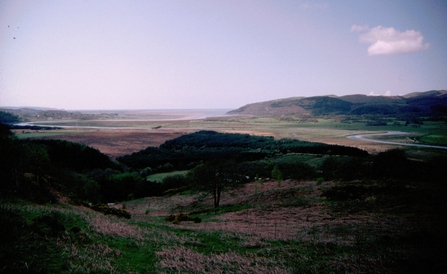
{"points": [[31, 114], [427, 103], [274, 107]]}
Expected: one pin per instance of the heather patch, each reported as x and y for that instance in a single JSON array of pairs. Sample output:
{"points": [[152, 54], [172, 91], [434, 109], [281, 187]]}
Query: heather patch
{"points": [[261, 227], [181, 259]]}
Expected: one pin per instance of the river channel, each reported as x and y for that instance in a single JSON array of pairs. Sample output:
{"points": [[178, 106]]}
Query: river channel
{"points": [[364, 137]]}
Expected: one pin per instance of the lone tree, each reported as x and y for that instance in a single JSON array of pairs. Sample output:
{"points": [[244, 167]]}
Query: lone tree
{"points": [[277, 175], [215, 176]]}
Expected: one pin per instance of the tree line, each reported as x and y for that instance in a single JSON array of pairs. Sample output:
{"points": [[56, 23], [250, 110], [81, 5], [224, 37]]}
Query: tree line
{"points": [[189, 150]]}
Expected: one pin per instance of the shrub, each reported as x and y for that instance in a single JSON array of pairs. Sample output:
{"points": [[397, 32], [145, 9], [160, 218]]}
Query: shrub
{"points": [[320, 180], [118, 187], [106, 210], [176, 181], [345, 192], [277, 175], [176, 219], [391, 164]]}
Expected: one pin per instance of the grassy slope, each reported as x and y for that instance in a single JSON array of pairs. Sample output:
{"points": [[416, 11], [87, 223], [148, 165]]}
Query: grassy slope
{"points": [[289, 228], [158, 177]]}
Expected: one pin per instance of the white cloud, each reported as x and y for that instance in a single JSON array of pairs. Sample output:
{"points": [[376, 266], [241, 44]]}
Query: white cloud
{"points": [[387, 93], [359, 28], [390, 41]]}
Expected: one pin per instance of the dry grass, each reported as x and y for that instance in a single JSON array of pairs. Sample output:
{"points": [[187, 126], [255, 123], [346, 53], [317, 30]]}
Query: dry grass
{"points": [[96, 257], [97, 222], [113, 227], [119, 142], [183, 260], [292, 211]]}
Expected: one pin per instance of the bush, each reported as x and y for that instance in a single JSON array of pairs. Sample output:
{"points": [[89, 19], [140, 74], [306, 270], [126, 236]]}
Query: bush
{"points": [[146, 172], [78, 186], [345, 192], [391, 164], [176, 219], [118, 187], [345, 168], [320, 180], [276, 174], [175, 181], [106, 210]]}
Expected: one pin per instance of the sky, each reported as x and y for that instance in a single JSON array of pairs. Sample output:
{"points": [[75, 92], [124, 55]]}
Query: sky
{"points": [[204, 54]]}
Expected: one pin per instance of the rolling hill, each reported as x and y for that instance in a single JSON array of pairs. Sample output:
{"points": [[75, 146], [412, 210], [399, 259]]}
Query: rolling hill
{"points": [[429, 103]]}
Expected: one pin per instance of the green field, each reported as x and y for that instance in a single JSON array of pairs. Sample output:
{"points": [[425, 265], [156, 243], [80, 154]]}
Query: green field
{"points": [[158, 177], [434, 139]]}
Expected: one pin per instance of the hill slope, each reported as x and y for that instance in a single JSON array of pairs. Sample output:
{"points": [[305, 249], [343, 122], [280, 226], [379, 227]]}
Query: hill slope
{"points": [[427, 103]]}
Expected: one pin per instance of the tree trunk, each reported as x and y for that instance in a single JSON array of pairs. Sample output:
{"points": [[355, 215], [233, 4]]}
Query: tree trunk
{"points": [[216, 204], [218, 197]]}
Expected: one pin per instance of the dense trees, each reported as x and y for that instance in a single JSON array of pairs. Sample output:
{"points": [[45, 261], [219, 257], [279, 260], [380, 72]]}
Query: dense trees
{"points": [[346, 168], [23, 168], [8, 118], [207, 153], [37, 170], [189, 150], [75, 156]]}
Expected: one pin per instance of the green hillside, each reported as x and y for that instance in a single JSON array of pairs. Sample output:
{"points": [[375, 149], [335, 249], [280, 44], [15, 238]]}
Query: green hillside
{"points": [[430, 103]]}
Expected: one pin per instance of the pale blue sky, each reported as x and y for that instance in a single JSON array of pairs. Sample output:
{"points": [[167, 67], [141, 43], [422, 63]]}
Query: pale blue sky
{"points": [[215, 54]]}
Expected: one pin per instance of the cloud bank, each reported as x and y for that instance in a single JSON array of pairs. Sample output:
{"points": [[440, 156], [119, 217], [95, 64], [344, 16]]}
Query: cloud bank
{"points": [[387, 93], [390, 41]]}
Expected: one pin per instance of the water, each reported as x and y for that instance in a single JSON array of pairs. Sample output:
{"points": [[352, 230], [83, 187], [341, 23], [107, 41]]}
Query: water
{"points": [[364, 137], [104, 116]]}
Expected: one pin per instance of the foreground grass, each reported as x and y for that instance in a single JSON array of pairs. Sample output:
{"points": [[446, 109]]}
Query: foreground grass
{"points": [[298, 227]]}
